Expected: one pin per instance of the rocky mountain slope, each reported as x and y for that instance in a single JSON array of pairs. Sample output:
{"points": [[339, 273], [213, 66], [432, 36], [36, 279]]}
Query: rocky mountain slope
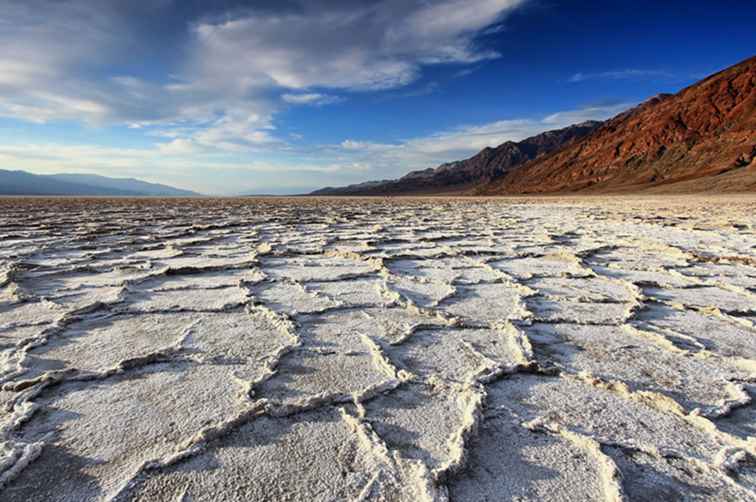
{"points": [[486, 166], [24, 183], [701, 139]]}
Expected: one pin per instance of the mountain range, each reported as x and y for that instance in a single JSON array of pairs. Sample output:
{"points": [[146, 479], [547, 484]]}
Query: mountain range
{"points": [[24, 183], [701, 139]]}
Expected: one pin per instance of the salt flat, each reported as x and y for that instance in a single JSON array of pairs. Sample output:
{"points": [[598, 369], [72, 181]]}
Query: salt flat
{"points": [[378, 349]]}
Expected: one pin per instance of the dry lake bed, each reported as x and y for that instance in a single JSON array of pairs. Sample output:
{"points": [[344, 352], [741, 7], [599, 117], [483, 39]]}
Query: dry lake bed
{"points": [[378, 349]]}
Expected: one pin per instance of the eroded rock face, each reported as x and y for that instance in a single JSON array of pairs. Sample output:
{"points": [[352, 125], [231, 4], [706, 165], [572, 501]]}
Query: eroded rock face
{"points": [[701, 139], [307, 349]]}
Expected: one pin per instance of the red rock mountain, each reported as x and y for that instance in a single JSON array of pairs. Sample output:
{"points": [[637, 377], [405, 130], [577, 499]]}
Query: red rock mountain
{"points": [[700, 139], [457, 177]]}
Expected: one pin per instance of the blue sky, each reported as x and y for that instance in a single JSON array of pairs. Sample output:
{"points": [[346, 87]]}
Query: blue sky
{"points": [[233, 97]]}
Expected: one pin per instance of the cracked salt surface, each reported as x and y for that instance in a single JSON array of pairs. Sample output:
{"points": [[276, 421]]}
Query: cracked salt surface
{"points": [[407, 349]]}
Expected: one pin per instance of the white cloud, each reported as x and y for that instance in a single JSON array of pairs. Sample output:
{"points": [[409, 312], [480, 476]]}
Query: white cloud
{"points": [[476, 137], [443, 30], [629, 73], [51, 54], [215, 108], [178, 146], [561, 119], [377, 46], [221, 89], [393, 160], [237, 130], [312, 98], [350, 144]]}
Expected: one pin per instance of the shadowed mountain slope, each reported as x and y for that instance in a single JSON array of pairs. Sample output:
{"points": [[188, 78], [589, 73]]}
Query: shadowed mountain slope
{"points": [[24, 183], [487, 165]]}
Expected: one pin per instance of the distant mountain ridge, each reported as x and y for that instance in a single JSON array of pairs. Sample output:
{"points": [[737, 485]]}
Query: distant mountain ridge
{"points": [[25, 183], [485, 166], [701, 139]]}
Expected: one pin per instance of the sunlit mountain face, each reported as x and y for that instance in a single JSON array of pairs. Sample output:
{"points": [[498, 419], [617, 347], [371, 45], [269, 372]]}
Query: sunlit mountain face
{"points": [[241, 97]]}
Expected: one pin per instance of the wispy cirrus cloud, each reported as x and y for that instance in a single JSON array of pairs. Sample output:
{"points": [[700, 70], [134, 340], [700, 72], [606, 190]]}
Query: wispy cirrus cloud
{"points": [[626, 74], [593, 112], [311, 98]]}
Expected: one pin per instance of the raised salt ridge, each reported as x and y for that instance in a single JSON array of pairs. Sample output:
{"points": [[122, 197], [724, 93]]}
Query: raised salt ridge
{"points": [[397, 350]]}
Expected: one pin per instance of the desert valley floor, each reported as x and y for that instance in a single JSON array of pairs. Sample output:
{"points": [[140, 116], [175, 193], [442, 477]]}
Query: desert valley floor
{"points": [[379, 349]]}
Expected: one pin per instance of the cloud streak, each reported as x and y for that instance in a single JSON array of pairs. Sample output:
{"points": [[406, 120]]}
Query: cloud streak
{"points": [[626, 74], [312, 98]]}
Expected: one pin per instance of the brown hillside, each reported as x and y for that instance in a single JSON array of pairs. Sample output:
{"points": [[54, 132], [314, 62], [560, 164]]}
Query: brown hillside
{"points": [[701, 139], [463, 175]]}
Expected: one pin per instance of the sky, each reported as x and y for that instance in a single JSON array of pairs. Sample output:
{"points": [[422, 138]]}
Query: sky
{"points": [[285, 96]]}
